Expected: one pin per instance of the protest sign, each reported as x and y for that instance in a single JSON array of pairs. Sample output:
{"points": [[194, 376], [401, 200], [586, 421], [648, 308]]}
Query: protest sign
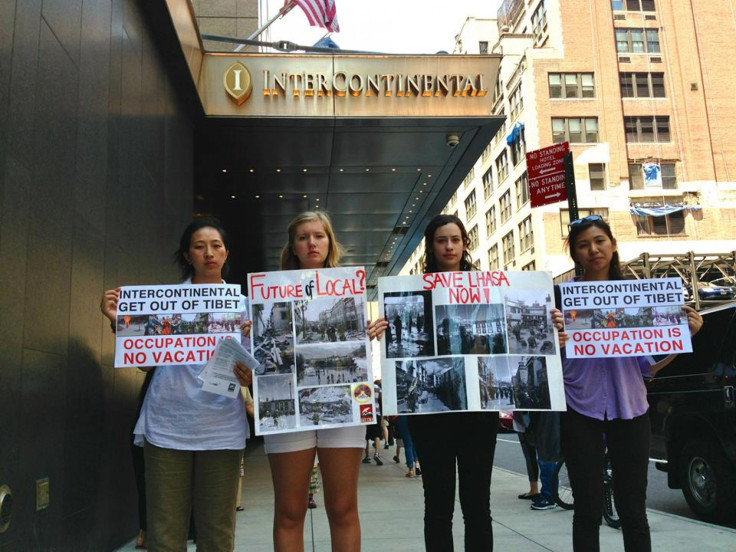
{"points": [[625, 318], [469, 341], [309, 336], [179, 324]]}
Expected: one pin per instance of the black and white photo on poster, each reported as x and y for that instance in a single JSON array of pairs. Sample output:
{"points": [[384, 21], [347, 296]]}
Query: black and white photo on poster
{"points": [[276, 402], [329, 319], [495, 383], [328, 405], [530, 328], [331, 363], [530, 382], [273, 337], [636, 317], [433, 385], [409, 333], [475, 329]]}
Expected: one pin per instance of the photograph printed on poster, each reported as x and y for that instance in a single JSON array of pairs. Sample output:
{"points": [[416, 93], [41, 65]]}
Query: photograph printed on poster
{"points": [[325, 405], [530, 382], [496, 386], [433, 385], [329, 320], [637, 317], [276, 402], [133, 325], [409, 333], [672, 315], [164, 324], [330, 363], [478, 329], [530, 328], [223, 322], [273, 337]]}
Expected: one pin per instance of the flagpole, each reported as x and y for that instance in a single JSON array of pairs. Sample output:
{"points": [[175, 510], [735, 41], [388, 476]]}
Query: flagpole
{"points": [[286, 8]]}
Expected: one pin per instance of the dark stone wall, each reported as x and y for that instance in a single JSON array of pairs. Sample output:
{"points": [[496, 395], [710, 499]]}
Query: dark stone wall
{"points": [[95, 187]]}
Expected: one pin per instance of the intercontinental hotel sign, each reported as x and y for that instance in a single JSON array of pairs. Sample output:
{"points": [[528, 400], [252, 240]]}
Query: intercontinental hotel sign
{"points": [[308, 86]]}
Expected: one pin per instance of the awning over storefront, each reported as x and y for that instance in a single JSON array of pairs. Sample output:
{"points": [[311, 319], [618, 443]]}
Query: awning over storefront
{"points": [[662, 210]]}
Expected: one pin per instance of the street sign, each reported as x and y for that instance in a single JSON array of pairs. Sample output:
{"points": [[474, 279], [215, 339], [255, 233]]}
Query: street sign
{"points": [[546, 170]]}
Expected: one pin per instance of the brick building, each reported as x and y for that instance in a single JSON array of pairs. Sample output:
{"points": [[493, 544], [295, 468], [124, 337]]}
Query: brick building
{"points": [[629, 89]]}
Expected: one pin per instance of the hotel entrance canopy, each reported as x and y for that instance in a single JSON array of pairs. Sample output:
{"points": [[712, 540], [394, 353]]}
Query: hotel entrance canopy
{"points": [[380, 142]]}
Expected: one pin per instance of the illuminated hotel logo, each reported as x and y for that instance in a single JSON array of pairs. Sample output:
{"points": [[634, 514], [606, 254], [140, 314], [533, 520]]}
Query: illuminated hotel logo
{"points": [[237, 82]]}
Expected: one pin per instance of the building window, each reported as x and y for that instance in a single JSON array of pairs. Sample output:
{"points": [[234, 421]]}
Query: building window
{"points": [[582, 213], [473, 238], [667, 225], [470, 206], [575, 130], [617, 5], [509, 253], [486, 152], [526, 235], [516, 102], [647, 129], [483, 47], [642, 85], [637, 41], [571, 85], [493, 258], [487, 183], [502, 166], [518, 148], [522, 190], [635, 5], [597, 175], [505, 203], [498, 89], [469, 178], [667, 171], [490, 221], [539, 23], [531, 266]]}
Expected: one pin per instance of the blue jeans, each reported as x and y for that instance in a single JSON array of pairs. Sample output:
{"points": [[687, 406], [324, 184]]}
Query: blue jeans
{"points": [[548, 478], [402, 424]]}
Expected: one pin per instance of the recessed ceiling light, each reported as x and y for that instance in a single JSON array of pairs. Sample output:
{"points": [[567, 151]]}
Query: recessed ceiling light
{"points": [[258, 197], [424, 183], [367, 170], [304, 170], [233, 197], [342, 170], [305, 195], [410, 212], [281, 196], [419, 170], [429, 176], [278, 170], [393, 170], [251, 170], [224, 170], [317, 199]]}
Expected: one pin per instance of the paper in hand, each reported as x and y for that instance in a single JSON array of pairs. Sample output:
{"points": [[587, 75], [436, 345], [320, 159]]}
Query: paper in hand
{"points": [[217, 375]]}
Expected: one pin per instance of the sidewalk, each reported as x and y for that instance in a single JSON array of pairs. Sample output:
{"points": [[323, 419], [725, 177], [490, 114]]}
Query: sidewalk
{"points": [[391, 511]]}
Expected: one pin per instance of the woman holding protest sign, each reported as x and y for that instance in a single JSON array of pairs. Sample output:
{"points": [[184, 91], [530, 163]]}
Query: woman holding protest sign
{"points": [[192, 439], [606, 399], [311, 245]]}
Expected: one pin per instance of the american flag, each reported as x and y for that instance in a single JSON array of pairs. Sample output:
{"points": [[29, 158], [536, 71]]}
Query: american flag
{"points": [[321, 13]]}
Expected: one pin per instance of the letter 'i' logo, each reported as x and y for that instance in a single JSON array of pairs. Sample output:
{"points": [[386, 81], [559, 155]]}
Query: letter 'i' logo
{"points": [[237, 82]]}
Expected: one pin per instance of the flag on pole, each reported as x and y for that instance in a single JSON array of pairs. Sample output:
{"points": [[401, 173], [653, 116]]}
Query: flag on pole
{"points": [[320, 13]]}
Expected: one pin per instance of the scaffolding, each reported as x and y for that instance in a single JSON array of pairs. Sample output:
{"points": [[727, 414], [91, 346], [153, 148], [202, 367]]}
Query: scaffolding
{"points": [[693, 268]]}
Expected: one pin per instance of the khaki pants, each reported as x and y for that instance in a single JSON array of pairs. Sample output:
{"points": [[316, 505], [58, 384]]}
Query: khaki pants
{"points": [[179, 482]]}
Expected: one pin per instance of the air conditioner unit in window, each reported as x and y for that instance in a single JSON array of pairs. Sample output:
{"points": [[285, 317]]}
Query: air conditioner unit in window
{"points": [[650, 17], [624, 59], [655, 59], [619, 17]]}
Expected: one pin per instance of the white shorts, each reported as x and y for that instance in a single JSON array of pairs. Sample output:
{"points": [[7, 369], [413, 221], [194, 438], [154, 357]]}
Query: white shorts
{"points": [[336, 437]]}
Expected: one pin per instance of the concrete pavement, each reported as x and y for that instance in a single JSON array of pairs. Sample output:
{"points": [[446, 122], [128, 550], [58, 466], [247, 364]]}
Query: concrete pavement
{"points": [[391, 511]]}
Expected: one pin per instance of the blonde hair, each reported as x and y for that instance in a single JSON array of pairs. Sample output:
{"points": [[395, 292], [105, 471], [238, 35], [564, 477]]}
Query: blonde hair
{"points": [[289, 261]]}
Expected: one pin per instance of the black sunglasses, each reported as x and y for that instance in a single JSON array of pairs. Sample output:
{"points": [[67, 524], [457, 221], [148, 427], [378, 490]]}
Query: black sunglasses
{"points": [[589, 218]]}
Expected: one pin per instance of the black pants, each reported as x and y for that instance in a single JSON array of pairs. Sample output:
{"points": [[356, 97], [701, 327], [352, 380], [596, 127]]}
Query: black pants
{"points": [[468, 441], [530, 457], [583, 447]]}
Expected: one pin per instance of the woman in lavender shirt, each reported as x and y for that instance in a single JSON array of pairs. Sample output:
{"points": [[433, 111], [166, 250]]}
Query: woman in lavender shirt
{"points": [[606, 397]]}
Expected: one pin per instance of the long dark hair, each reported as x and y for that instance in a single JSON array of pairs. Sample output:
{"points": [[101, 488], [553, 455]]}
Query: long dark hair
{"points": [[430, 263], [187, 271], [614, 270]]}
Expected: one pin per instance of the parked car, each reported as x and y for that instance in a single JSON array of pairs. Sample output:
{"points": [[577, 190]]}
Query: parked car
{"points": [[505, 421], [725, 282], [712, 291], [693, 418]]}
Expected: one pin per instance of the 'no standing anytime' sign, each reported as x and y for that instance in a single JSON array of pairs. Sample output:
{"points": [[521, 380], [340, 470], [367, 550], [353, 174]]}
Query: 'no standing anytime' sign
{"points": [[546, 169]]}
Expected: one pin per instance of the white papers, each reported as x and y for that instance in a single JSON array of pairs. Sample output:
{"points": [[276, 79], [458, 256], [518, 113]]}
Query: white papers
{"points": [[217, 375], [469, 341], [625, 318]]}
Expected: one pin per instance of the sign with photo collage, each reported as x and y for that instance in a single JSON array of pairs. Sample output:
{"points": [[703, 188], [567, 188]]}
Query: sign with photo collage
{"points": [[469, 341], [309, 336]]}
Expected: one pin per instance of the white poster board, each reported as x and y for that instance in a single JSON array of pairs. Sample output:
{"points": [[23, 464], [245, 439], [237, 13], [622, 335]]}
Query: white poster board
{"points": [[469, 341], [177, 324], [309, 336], [625, 318]]}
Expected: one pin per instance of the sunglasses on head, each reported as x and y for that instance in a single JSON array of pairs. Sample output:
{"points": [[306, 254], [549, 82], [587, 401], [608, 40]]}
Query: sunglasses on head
{"points": [[589, 218]]}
